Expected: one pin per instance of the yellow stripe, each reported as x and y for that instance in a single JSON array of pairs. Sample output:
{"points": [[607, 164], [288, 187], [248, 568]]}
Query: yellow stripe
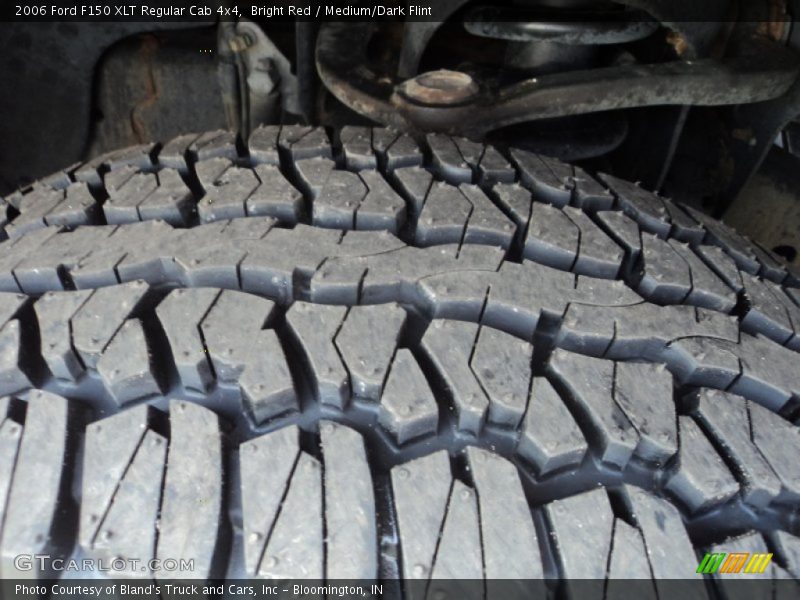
{"points": [[758, 562], [765, 562]]}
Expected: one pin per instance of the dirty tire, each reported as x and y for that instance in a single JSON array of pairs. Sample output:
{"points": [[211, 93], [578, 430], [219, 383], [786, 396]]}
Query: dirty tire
{"points": [[361, 356]]}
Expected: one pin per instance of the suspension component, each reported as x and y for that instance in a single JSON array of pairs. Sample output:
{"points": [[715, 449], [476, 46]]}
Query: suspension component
{"points": [[577, 27]]}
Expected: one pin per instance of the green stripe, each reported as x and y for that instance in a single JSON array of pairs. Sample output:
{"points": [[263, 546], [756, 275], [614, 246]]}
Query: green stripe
{"points": [[710, 563]]}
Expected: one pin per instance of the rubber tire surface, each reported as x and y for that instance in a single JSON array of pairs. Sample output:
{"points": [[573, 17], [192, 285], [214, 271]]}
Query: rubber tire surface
{"points": [[353, 356]]}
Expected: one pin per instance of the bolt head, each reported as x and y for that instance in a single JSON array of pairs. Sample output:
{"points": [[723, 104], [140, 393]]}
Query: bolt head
{"points": [[440, 88]]}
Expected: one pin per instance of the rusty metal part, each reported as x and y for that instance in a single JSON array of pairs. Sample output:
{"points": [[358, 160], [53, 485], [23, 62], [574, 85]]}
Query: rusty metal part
{"points": [[762, 70], [417, 34], [440, 88], [779, 22], [576, 27]]}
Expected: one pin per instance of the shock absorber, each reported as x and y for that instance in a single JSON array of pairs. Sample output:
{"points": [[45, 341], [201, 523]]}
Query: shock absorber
{"points": [[550, 36]]}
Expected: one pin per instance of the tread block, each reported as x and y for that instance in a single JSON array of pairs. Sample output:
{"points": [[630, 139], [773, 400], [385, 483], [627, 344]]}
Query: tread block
{"points": [[598, 255], [722, 264], [172, 201], [701, 480], [703, 362], [788, 546], [38, 497], [684, 228], [127, 525], [396, 150], [515, 201], [33, 207], [274, 197], [769, 372], [43, 271], [124, 467], [487, 224], [458, 295], [77, 208], [108, 262], [10, 437], [629, 563], [357, 148], [551, 439], [263, 145], [776, 439], [315, 327], [493, 168], [350, 515], [173, 154], [707, 289], [444, 216], [226, 193], [640, 330], [582, 527], [414, 183], [448, 345], [138, 157], [192, 498], [502, 366], [521, 293], [312, 175], [214, 144], [421, 490], [271, 266], [367, 341], [382, 207], [110, 447], [266, 382], [772, 267], [666, 278], [459, 555], [18, 250], [669, 548], [228, 329], [767, 315], [125, 365], [590, 382], [448, 161], [96, 323], [623, 230], [338, 200], [644, 393], [641, 205], [181, 315], [294, 549], [793, 310], [12, 376], [734, 245], [302, 142], [544, 177], [505, 520], [588, 193], [726, 418], [408, 408], [552, 238], [123, 203], [267, 465], [9, 305]]}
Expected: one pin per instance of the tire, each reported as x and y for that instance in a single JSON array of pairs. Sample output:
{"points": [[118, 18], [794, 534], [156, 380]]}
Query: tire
{"points": [[364, 358]]}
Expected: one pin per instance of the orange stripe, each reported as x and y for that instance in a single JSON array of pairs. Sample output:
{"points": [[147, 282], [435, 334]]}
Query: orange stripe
{"points": [[734, 562]]}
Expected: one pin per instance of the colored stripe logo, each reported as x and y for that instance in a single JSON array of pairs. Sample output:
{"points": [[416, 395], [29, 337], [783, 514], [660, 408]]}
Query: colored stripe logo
{"points": [[734, 563]]}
